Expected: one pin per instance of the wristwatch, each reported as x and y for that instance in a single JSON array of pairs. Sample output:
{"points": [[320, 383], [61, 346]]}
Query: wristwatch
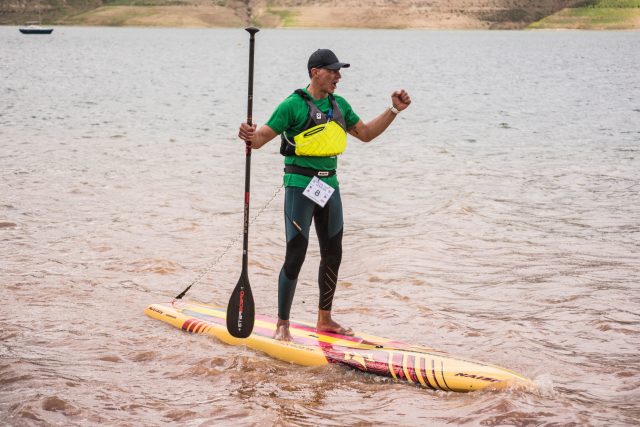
{"points": [[394, 110]]}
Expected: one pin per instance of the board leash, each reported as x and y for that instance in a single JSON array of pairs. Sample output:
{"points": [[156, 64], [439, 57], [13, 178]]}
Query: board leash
{"points": [[231, 244]]}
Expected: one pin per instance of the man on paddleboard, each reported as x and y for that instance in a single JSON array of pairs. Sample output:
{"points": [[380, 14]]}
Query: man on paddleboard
{"points": [[313, 124]]}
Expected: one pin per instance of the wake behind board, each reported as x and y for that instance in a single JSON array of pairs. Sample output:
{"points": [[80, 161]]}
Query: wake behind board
{"points": [[400, 361]]}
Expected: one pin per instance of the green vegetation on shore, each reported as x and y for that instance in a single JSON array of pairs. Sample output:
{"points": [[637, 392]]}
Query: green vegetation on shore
{"points": [[614, 4], [596, 15], [287, 17], [147, 3]]}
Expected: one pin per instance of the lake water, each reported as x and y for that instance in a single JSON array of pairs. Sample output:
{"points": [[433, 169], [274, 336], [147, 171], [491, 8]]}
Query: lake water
{"points": [[497, 219]]}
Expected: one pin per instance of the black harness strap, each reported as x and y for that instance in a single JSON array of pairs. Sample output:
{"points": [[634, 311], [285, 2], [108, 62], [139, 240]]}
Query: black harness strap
{"points": [[299, 170]]}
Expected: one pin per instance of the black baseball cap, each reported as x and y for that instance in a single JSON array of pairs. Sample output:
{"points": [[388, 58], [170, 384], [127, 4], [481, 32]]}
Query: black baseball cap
{"points": [[324, 58]]}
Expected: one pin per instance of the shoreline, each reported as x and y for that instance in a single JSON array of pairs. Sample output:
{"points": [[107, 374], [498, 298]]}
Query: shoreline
{"points": [[234, 15], [426, 29]]}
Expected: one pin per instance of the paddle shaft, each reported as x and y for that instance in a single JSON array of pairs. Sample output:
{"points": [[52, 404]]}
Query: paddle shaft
{"points": [[247, 171]]}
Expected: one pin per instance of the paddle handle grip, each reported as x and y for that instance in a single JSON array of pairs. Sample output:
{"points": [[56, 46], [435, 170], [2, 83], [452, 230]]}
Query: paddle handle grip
{"points": [[252, 46]]}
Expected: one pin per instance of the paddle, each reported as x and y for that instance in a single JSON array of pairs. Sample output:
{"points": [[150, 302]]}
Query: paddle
{"points": [[241, 310]]}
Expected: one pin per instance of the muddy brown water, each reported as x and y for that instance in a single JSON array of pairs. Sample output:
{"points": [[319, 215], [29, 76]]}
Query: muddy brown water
{"points": [[497, 219]]}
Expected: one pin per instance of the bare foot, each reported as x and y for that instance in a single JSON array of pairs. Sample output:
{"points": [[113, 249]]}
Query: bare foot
{"points": [[282, 331], [327, 324]]}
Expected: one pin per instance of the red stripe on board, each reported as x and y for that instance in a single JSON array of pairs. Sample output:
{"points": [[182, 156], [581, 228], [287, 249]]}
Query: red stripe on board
{"points": [[423, 371], [433, 371], [187, 323], [411, 363], [194, 325], [193, 322], [396, 363], [442, 372]]}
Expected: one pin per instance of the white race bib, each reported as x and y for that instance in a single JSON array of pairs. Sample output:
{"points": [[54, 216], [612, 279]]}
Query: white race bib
{"points": [[318, 191]]}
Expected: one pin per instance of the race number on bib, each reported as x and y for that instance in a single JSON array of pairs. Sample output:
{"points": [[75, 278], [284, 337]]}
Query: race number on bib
{"points": [[318, 191]]}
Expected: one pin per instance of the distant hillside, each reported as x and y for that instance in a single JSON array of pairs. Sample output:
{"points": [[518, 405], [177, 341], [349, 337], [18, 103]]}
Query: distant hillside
{"points": [[408, 13], [509, 14], [47, 11]]}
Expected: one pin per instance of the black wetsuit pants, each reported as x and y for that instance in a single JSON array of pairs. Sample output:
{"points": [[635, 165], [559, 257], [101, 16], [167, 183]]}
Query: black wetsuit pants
{"points": [[298, 212]]}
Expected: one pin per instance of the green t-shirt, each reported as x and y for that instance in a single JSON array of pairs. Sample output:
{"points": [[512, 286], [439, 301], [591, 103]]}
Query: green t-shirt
{"points": [[290, 117]]}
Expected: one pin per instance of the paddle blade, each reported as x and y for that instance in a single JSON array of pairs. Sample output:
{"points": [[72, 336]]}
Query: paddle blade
{"points": [[241, 310]]}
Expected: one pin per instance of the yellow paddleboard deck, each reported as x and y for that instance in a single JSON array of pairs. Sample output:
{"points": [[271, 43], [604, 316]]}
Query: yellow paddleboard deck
{"points": [[394, 359]]}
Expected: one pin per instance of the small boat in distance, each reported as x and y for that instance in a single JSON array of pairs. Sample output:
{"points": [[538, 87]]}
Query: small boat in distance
{"points": [[34, 28]]}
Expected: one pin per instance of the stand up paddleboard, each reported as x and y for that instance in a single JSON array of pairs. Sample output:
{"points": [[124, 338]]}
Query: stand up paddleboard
{"points": [[400, 361]]}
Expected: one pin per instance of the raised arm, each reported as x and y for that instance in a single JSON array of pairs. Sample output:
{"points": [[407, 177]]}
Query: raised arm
{"points": [[366, 132]]}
